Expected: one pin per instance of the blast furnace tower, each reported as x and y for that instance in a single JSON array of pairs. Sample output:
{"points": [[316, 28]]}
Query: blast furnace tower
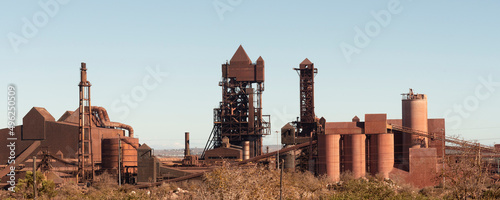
{"points": [[239, 116]]}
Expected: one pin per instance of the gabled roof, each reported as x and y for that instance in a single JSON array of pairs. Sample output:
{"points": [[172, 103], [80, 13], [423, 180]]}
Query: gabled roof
{"points": [[306, 62], [240, 57]]}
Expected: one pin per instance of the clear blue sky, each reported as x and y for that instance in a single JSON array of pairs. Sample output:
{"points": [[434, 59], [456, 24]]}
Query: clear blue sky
{"points": [[443, 49]]}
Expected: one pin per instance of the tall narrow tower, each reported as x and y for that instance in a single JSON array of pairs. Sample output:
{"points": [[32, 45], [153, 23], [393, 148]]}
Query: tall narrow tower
{"points": [[85, 160], [307, 124], [239, 116]]}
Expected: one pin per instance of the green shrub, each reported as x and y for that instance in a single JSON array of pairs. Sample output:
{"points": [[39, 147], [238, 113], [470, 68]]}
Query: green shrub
{"points": [[45, 188]]}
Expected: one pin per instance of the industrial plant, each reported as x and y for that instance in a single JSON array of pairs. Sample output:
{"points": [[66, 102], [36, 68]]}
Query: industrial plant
{"points": [[84, 142]]}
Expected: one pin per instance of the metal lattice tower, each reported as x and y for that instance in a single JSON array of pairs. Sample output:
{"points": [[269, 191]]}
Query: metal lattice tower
{"points": [[239, 116], [307, 124], [85, 160]]}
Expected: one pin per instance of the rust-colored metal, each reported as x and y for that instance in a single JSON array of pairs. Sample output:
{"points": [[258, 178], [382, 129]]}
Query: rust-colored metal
{"points": [[385, 147], [129, 153], [19, 159], [239, 116], [321, 161], [415, 117], [186, 144], [308, 123], [101, 115], [75, 137], [110, 153], [332, 156], [256, 158], [85, 161], [110, 149], [355, 154]]}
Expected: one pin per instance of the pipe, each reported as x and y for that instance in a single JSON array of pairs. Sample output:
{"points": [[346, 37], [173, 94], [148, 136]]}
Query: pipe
{"points": [[186, 144], [246, 150], [104, 119]]}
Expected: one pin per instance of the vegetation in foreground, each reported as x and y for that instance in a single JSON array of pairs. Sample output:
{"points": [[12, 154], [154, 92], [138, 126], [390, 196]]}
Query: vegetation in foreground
{"points": [[248, 183]]}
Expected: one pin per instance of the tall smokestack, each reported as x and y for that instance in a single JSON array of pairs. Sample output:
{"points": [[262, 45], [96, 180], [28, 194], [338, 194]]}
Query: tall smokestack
{"points": [[83, 73], [186, 144]]}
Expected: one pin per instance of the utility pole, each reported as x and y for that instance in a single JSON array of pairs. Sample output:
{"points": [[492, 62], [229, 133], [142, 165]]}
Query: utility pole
{"points": [[277, 152], [119, 160], [34, 177], [281, 180], [444, 152]]}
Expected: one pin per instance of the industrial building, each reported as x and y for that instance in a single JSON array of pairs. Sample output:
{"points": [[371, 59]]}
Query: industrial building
{"points": [[239, 117], [376, 146], [84, 143]]}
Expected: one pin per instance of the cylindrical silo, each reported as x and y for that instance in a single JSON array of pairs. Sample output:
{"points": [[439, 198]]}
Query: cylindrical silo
{"points": [[357, 145], [109, 149], [129, 153], [246, 150], [289, 159], [321, 154], [415, 117], [385, 154], [332, 156]]}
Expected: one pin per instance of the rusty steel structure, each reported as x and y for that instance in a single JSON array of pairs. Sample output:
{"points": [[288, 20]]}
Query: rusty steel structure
{"points": [[308, 123], [85, 162], [85, 142], [77, 146], [239, 116], [308, 126]]}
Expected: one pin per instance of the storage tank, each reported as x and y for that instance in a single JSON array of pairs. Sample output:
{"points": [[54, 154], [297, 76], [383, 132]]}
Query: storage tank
{"points": [[355, 154], [385, 154], [129, 153], [321, 154], [289, 159], [332, 156], [110, 149], [415, 117]]}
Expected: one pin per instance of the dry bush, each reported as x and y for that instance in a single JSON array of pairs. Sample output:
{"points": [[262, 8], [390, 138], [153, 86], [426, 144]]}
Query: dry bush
{"points": [[236, 183], [466, 177], [69, 191], [258, 182], [8, 195], [374, 187], [346, 176]]}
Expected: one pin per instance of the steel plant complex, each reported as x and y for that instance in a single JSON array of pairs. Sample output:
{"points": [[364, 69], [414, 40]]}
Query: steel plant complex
{"points": [[84, 143]]}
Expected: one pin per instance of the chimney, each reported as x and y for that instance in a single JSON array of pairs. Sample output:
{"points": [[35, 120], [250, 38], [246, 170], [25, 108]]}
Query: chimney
{"points": [[186, 144]]}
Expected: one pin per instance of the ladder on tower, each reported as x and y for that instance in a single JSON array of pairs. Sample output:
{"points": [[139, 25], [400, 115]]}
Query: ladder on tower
{"points": [[85, 161]]}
